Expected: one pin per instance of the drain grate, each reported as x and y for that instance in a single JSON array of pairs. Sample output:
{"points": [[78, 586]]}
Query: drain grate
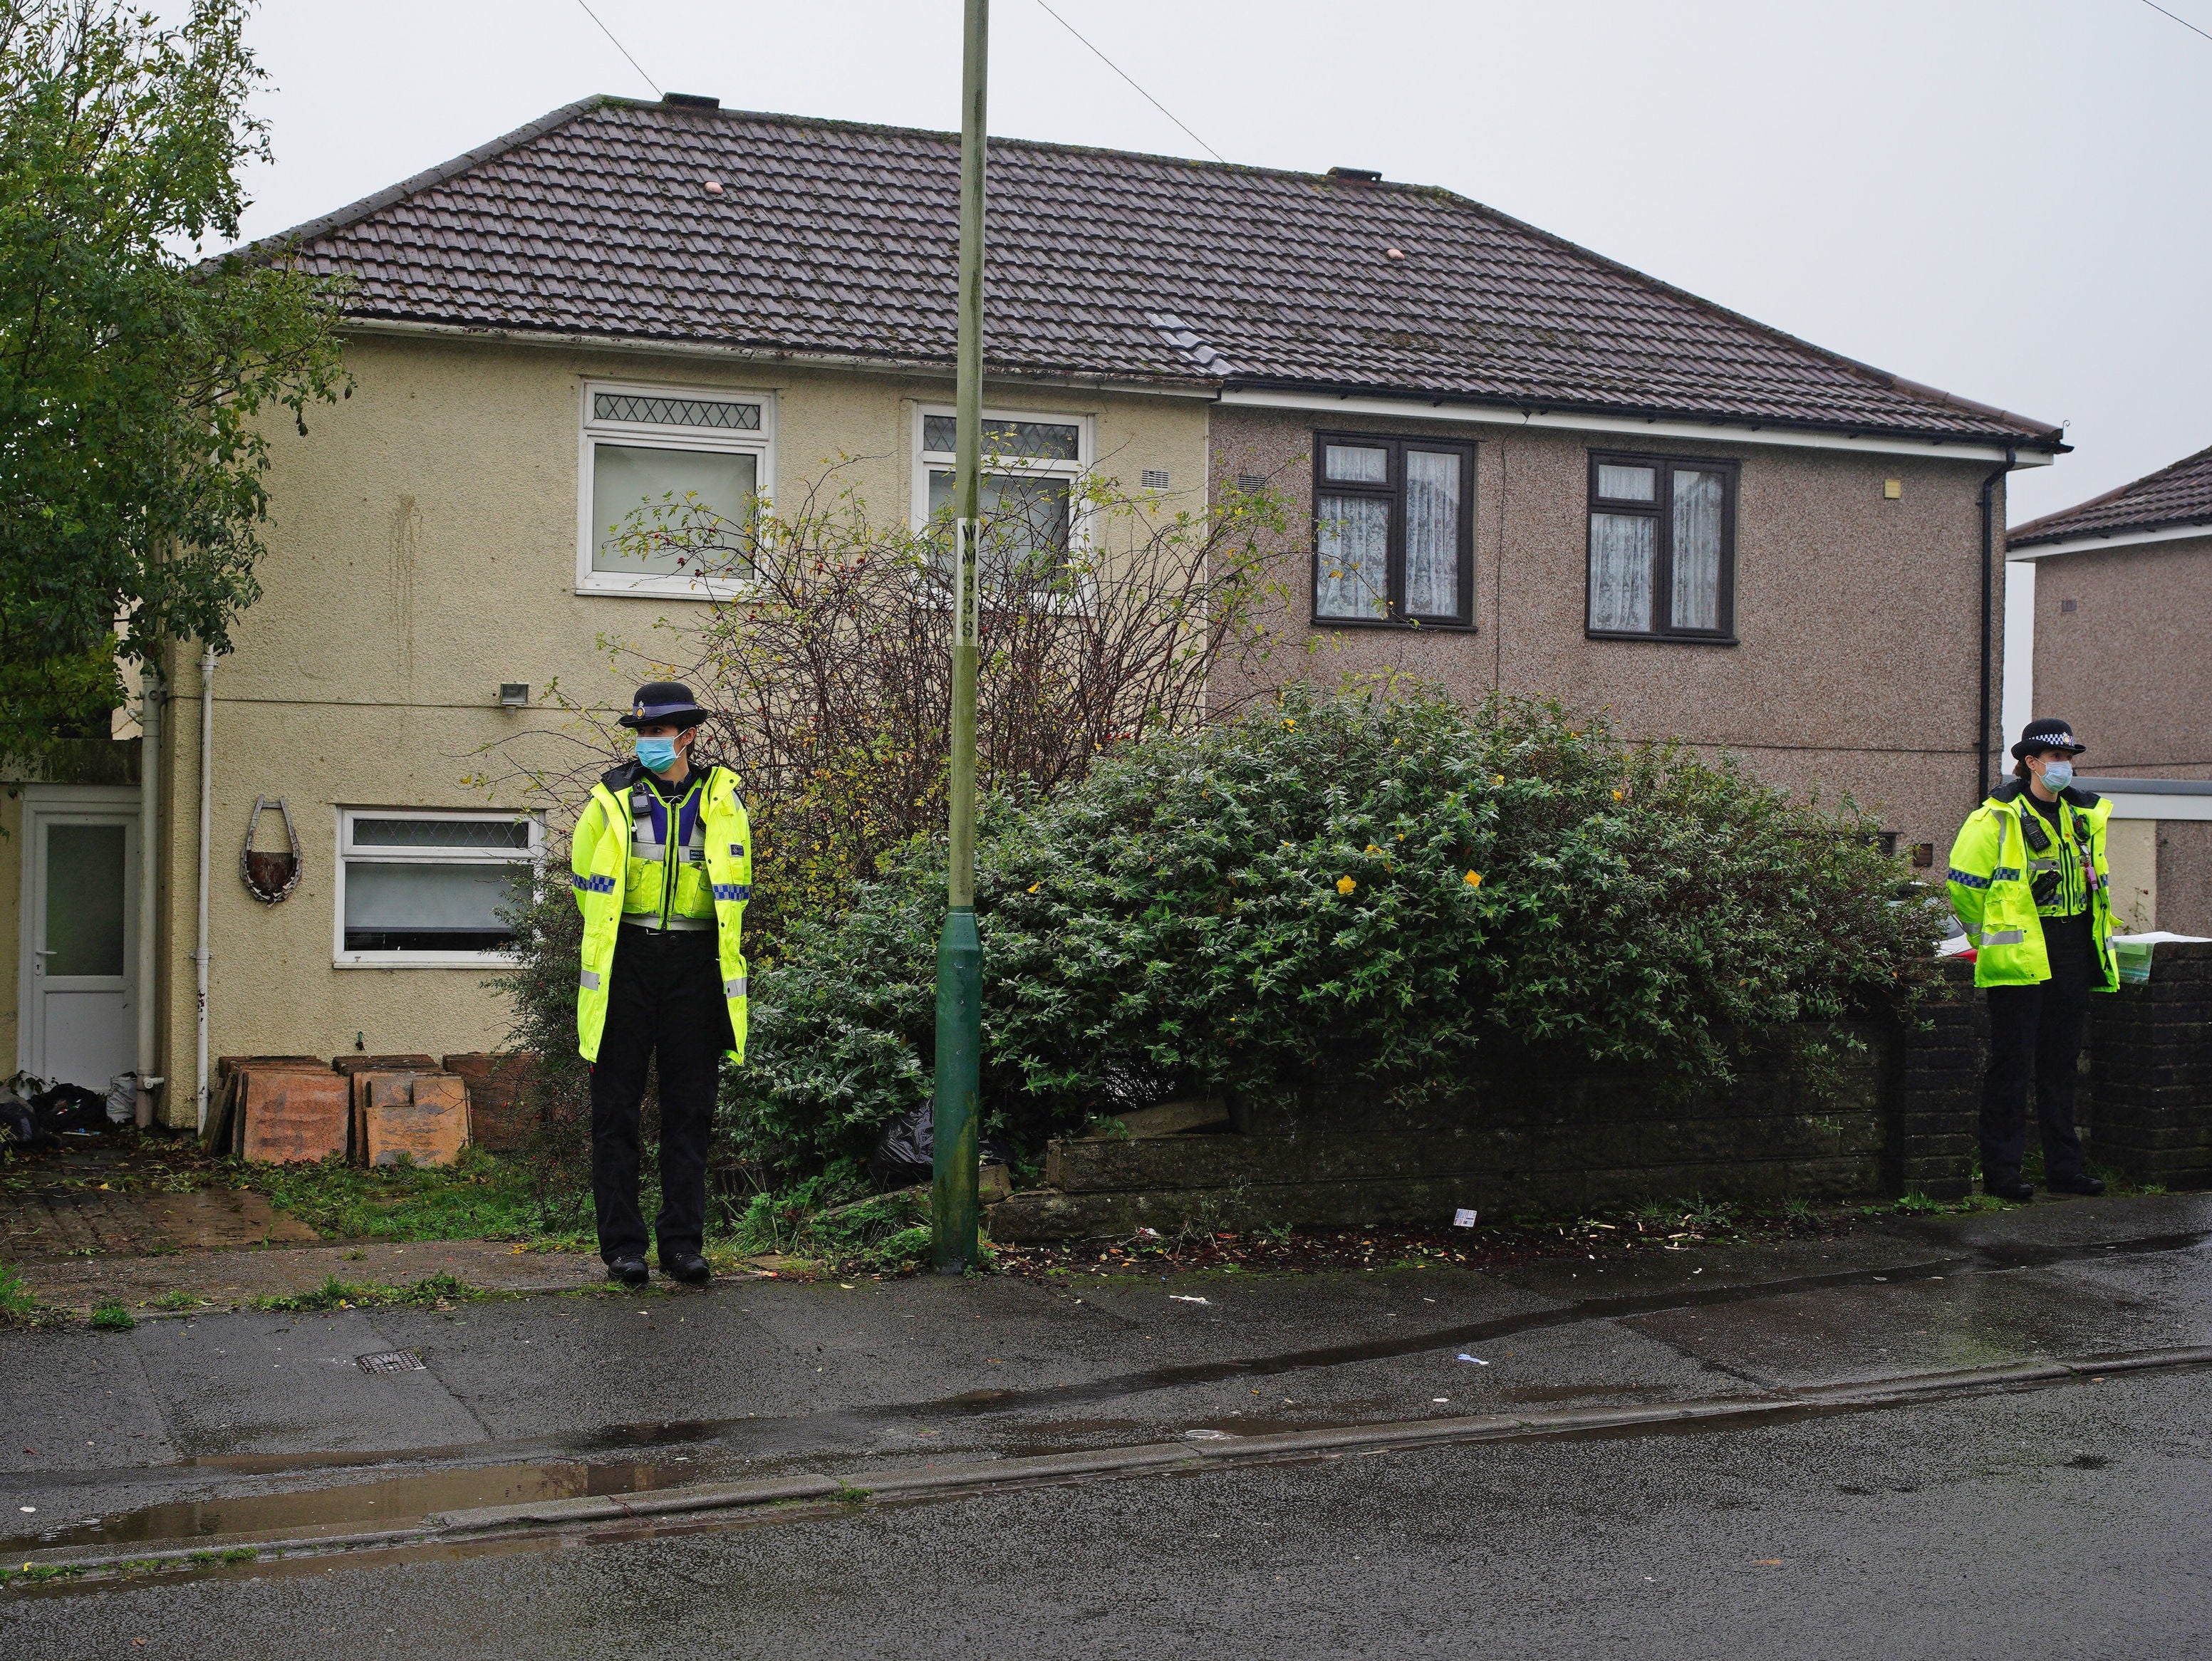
{"points": [[390, 1360]]}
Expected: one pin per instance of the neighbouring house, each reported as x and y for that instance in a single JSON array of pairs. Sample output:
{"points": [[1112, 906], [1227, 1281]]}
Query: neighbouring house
{"points": [[1514, 465], [2122, 605]]}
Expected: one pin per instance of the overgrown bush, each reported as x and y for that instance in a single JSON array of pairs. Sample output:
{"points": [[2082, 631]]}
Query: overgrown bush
{"points": [[1106, 615], [1384, 883]]}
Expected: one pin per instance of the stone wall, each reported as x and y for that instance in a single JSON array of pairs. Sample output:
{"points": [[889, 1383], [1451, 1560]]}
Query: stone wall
{"points": [[1893, 1111]]}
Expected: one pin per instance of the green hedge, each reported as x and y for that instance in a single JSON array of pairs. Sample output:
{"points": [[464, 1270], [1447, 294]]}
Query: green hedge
{"points": [[1391, 884]]}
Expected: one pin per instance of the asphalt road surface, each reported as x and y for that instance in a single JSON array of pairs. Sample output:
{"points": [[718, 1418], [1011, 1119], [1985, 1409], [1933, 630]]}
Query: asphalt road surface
{"points": [[2071, 1517], [2073, 1521]]}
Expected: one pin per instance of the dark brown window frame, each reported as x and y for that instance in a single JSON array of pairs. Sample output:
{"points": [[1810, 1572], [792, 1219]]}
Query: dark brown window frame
{"points": [[1660, 509], [1394, 492]]}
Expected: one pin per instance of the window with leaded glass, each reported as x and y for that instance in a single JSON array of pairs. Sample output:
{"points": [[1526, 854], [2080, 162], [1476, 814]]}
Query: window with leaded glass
{"points": [[1031, 466], [671, 479], [430, 888]]}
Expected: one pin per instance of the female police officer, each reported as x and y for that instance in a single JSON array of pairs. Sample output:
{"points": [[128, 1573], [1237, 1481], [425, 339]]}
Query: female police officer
{"points": [[2029, 880], [662, 866]]}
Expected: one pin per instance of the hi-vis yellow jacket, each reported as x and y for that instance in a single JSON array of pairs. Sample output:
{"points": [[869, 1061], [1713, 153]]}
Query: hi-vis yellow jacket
{"points": [[628, 862], [1994, 865]]}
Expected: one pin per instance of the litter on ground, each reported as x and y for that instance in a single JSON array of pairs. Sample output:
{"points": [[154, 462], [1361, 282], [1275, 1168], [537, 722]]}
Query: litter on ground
{"points": [[1477, 1360]]}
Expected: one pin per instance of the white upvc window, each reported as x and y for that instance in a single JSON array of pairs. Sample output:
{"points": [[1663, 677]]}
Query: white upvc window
{"points": [[1034, 461], [705, 453], [426, 888]]}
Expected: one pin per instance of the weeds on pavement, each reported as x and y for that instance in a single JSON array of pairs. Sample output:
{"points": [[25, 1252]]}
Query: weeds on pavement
{"points": [[436, 1292]]}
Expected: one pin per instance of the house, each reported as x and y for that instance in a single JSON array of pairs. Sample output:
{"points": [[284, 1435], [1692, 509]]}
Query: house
{"points": [[1525, 467], [2122, 601]]}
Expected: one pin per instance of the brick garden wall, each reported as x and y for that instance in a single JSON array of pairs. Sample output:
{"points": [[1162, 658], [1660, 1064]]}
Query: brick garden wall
{"points": [[2150, 1072], [1895, 1111]]}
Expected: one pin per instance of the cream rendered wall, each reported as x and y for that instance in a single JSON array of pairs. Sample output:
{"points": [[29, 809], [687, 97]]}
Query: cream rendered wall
{"points": [[422, 549], [2131, 852]]}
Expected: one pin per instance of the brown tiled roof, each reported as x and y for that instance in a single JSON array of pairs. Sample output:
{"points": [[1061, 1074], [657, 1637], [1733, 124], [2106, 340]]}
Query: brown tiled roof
{"points": [[2172, 497], [838, 238]]}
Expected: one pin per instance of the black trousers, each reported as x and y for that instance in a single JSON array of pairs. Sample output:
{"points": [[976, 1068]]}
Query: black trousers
{"points": [[664, 1000], [2035, 1033]]}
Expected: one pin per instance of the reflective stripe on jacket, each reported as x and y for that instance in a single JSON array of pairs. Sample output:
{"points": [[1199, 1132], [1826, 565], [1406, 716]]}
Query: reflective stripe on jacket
{"points": [[1994, 868], [641, 868]]}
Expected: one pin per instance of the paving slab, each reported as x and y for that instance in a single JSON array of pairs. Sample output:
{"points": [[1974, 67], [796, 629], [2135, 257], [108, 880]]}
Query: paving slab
{"points": [[77, 1400], [1920, 1325], [279, 1384], [85, 1222]]}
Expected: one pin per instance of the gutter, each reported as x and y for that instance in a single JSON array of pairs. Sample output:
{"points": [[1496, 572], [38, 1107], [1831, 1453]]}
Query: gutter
{"points": [[650, 347], [1709, 429], [1982, 781]]}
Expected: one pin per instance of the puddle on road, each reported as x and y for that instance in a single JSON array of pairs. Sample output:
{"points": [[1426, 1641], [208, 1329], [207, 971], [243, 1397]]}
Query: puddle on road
{"points": [[397, 1501]]}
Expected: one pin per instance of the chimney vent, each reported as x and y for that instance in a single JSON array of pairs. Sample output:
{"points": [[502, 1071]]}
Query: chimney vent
{"points": [[691, 101], [1367, 174]]}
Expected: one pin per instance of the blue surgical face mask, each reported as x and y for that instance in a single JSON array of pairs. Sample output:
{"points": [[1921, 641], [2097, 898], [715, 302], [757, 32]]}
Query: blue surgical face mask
{"points": [[659, 754], [2057, 774]]}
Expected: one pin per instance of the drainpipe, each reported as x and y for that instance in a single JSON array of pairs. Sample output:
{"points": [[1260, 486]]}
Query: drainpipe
{"points": [[149, 797], [1989, 646], [207, 838]]}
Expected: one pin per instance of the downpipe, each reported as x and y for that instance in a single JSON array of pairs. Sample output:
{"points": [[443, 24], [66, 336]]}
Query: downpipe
{"points": [[1983, 770], [149, 870], [207, 838]]}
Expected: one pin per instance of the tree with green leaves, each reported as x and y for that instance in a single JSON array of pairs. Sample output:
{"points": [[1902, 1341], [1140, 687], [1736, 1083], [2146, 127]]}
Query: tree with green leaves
{"points": [[138, 380]]}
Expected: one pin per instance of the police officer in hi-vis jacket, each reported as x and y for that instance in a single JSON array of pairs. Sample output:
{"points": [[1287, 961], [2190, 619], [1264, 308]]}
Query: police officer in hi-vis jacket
{"points": [[2028, 879], [662, 866]]}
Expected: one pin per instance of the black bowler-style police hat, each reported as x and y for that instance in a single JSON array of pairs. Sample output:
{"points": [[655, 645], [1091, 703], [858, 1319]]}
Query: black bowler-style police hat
{"points": [[2046, 734], [664, 703]]}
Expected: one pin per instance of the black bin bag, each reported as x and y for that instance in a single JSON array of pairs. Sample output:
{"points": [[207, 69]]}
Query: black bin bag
{"points": [[903, 1152]]}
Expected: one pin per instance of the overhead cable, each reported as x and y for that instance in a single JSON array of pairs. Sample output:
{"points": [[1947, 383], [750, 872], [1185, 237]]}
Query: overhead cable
{"points": [[623, 49], [1125, 74], [2184, 21]]}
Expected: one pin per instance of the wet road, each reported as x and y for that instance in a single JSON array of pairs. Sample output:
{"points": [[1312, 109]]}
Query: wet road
{"points": [[2072, 1518], [2075, 1522]]}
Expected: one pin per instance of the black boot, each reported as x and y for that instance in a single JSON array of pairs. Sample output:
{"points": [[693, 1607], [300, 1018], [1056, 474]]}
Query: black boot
{"points": [[630, 1271], [2012, 1188], [688, 1267]]}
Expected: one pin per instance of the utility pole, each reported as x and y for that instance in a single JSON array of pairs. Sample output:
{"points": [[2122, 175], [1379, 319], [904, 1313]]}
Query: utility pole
{"points": [[959, 949]]}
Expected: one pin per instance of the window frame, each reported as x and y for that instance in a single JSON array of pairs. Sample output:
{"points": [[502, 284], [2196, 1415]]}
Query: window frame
{"points": [[344, 958], [656, 435], [1394, 492], [926, 462], [1660, 509]]}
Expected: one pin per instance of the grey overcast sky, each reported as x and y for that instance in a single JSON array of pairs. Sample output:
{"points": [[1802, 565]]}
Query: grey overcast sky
{"points": [[2000, 197], [2006, 198]]}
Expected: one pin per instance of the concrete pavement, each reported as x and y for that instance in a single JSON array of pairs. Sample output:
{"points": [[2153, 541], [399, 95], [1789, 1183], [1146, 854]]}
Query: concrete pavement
{"points": [[221, 1425]]}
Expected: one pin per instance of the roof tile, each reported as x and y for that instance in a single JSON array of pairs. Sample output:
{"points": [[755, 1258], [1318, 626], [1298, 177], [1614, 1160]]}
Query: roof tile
{"points": [[842, 239], [2174, 496]]}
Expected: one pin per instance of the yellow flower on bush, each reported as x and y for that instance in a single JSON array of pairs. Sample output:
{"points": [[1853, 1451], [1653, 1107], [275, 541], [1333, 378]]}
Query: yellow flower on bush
{"points": [[1034, 887], [1371, 848], [1475, 879], [1289, 725], [1499, 779], [1617, 794], [1346, 885]]}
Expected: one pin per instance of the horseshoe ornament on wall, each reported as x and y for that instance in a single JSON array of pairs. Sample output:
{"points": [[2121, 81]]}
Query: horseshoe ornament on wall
{"points": [[270, 877]]}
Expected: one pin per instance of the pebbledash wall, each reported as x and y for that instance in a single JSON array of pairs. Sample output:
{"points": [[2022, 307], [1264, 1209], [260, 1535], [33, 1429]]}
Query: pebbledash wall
{"points": [[1856, 665], [423, 550], [2120, 652]]}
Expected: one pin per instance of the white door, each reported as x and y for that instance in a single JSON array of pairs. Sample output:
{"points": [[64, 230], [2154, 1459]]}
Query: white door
{"points": [[80, 940]]}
